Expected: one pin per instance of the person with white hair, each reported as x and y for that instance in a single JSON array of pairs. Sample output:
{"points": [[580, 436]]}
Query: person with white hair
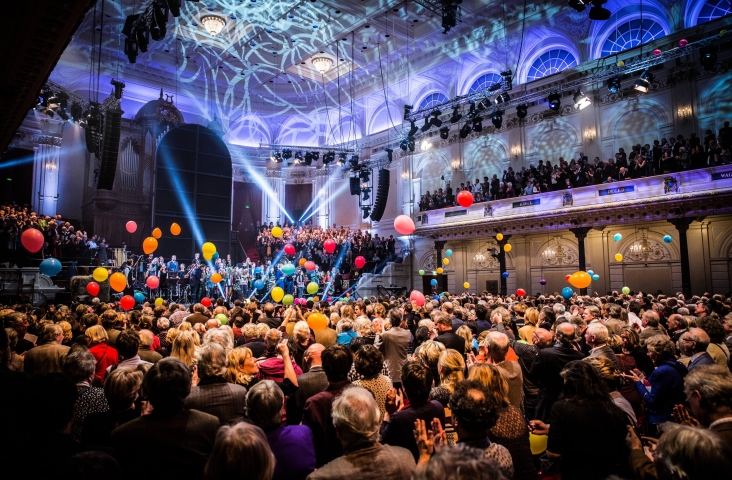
{"points": [[357, 420], [596, 336]]}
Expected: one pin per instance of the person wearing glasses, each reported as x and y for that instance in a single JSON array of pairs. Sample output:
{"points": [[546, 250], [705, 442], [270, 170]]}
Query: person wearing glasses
{"points": [[49, 355]]}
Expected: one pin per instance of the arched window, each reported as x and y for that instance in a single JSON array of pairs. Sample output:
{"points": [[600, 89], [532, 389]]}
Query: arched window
{"points": [[432, 100], [631, 34], [713, 10], [551, 62], [484, 81]]}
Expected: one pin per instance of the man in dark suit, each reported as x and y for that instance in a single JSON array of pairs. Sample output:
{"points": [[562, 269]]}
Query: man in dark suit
{"points": [[183, 438], [709, 390], [447, 337], [697, 340], [545, 371], [393, 344], [195, 277], [310, 383]]}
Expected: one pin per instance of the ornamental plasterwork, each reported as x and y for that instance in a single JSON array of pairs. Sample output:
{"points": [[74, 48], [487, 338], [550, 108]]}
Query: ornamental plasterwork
{"points": [[488, 261], [44, 140], [558, 255], [428, 262], [645, 250]]}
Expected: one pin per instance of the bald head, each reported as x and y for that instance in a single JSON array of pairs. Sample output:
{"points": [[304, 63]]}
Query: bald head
{"points": [[313, 354], [212, 323], [542, 338], [700, 338], [497, 346], [566, 333]]}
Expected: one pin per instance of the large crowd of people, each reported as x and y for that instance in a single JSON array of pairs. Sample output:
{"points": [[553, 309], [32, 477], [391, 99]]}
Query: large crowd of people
{"points": [[630, 386], [664, 156]]}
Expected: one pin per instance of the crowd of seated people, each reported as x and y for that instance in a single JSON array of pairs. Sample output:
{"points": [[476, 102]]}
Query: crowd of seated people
{"points": [[633, 386], [664, 156]]}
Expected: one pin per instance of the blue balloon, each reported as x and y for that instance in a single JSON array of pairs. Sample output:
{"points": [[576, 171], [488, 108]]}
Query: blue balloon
{"points": [[590, 272], [617, 237], [139, 297], [50, 267], [595, 277], [433, 282], [288, 269], [567, 293], [448, 252], [668, 239], [436, 297], [258, 270], [215, 256], [504, 274], [259, 284]]}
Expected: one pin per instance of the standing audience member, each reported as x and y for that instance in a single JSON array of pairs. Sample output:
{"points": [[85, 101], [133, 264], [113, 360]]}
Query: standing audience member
{"points": [[313, 381], [105, 356], [240, 452], [497, 344], [393, 344], [48, 356], [79, 368]]}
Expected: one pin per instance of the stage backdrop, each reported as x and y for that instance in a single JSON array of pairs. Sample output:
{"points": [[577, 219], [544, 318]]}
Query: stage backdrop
{"points": [[192, 188]]}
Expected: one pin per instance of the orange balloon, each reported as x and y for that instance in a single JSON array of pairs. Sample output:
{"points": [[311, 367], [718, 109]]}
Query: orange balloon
{"points": [[580, 279], [216, 278], [317, 321], [118, 281], [302, 262], [157, 233], [175, 229], [149, 245]]}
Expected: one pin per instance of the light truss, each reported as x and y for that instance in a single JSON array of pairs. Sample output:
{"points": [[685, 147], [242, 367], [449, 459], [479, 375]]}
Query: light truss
{"points": [[299, 148]]}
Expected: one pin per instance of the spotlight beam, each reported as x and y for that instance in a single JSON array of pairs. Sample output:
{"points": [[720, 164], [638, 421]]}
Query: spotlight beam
{"points": [[344, 186], [262, 182]]}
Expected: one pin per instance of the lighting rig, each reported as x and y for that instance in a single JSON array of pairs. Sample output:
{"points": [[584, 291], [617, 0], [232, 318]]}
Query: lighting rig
{"points": [[152, 22], [306, 156], [449, 10]]}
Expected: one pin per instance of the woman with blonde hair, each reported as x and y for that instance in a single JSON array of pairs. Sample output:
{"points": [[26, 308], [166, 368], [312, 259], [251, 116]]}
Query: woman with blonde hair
{"points": [[185, 326], [429, 355], [510, 430], [106, 356], [185, 346], [68, 334], [347, 313], [531, 318], [465, 332], [242, 367], [450, 368]]}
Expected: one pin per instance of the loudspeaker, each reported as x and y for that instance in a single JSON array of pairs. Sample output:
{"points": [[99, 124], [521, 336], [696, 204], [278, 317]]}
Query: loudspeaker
{"points": [[355, 186], [382, 193], [110, 150]]}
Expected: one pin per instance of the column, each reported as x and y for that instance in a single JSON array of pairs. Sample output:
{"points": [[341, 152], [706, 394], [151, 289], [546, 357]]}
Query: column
{"points": [[45, 176], [439, 246], [581, 234], [273, 201], [501, 256], [682, 225]]}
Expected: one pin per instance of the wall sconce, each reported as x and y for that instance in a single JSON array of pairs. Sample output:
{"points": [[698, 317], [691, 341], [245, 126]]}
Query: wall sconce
{"points": [[405, 175], [589, 135], [50, 166], [456, 164], [425, 145], [516, 151], [684, 114]]}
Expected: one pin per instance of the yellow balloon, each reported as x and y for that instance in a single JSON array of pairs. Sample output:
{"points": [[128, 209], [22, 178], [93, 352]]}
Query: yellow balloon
{"points": [[618, 257], [208, 256], [277, 294], [507, 247], [440, 271], [466, 285], [149, 245], [216, 278], [538, 443], [118, 281], [158, 301], [175, 229], [100, 274], [277, 232], [446, 261], [208, 247], [157, 233], [499, 237]]}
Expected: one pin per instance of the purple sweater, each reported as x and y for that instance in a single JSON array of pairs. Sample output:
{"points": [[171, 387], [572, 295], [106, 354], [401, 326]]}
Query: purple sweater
{"points": [[294, 451]]}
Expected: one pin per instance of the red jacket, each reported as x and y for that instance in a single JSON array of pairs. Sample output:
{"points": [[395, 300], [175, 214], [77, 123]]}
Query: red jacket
{"points": [[105, 356]]}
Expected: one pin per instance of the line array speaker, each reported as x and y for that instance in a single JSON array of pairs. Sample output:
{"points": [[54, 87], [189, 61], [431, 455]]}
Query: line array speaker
{"points": [[110, 149], [355, 186], [382, 193]]}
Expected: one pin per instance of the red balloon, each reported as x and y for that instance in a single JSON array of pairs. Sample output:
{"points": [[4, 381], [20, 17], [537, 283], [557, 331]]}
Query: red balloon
{"points": [[521, 292], [127, 302], [465, 198], [567, 277], [417, 297], [309, 266], [152, 282], [32, 240], [206, 302], [131, 226], [289, 249], [404, 225], [359, 262], [92, 289], [329, 246]]}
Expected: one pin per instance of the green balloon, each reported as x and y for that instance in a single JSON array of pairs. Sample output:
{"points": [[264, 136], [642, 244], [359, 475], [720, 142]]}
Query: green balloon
{"points": [[310, 299], [288, 269], [626, 290], [222, 318], [288, 299], [312, 288], [421, 272]]}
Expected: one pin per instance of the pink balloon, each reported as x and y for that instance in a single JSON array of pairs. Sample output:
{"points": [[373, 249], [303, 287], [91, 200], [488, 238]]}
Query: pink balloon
{"points": [[309, 266], [152, 282], [404, 225], [359, 262], [683, 42], [289, 249], [417, 297], [329, 246], [32, 240], [131, 226], [656, 52]]}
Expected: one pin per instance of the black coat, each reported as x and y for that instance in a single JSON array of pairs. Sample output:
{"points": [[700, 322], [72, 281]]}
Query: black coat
{"points": [[545, 373], [452, 340]]}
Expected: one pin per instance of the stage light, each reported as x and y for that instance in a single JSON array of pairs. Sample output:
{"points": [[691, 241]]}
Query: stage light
{"points": [[427, 124], [316, 156], [581, 101], [555, 101], [354, 161], [435, 120], [298, 155], [708, 58], [522, 111], [413, 129], [507, 77], [341, 159], [308, 158], [478, 124], [472, 112], [643, 84], [174, 6], [578, 5], [502, 98], [364, 176], [273, 159], [497, 119], [482, 104], [597, 12], [404, 144], [411, 145], [131, 50], [286, 154], [407, 111], [494, 87], [444, 133], [160, 20], [389, 154], [456, 116], [142, 36], [613, 85], [465, 130], [366, 212]]}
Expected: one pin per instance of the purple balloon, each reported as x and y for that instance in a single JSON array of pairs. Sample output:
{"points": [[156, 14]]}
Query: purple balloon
{"points": [[542, 281]]}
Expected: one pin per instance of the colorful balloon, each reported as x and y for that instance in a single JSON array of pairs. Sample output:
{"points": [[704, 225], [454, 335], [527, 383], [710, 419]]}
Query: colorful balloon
{"points": [[277, 294], [499, 237], [92, 288], [567, 293], [139, 297], [590, 272], [208, 256], [50, 267], [421, 272], [118, 281], [668, 239], [312, 288], [206, 302], [301, 262], [595, 277], [446, 261], [329, 246], [288, 299], [465, 198], [127, 302], [131, 226], [657, 52], [567, 277], [32, 240], [617, 237], [222, 318], [100, 274], [626, 290], [209, 248], [152, 282], [683, 42], [440, 271], [289, 249], [504, 274], [157, 233], [159, 301], [542, 282], [149, 245], [310, 266], [359, 262], [466, 285], [404, 225], [317, 321], [277, 232], [417, 297], [580, 279], [521, 292], [216, 278], [433, 282], [507, 247], [215, 256], [259, 284], [175, 229], [448, 252], [316, 299], [618, 257], [288, 269], [538, 443]]}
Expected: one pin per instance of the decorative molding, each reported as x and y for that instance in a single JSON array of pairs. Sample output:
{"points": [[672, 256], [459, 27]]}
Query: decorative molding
{"points": [[428, 262], [649, 251], [558, 255]]}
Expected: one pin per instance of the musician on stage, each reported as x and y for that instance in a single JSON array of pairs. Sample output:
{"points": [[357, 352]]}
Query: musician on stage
{"points": [[196, 259], [152, 267], [196, 275], [173, 264]]}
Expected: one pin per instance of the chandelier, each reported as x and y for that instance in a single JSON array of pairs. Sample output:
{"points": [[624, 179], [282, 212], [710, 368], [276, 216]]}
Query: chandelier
{"points": [[641, 247], [322, 64], [213, 24], [479, 257]]}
